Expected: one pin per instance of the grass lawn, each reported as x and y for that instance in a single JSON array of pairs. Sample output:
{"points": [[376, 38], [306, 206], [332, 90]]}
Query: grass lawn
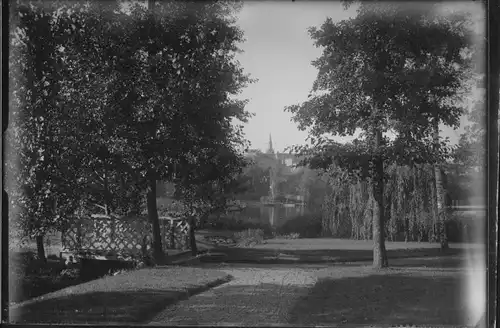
{"points": [[349, 244], [321, 250], [134, 296], [419, 292], [47, 278], [396, 296], [26, 283]]}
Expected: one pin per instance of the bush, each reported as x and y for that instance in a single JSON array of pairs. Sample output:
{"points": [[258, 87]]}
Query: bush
{"points": [[70, 274], [292, 235], [305, 226], [249, 237], [219, 239]]}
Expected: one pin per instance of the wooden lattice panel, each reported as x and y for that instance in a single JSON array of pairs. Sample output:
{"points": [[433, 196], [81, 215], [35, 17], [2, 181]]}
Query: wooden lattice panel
{"points": [[121, 235], [78, 234], [129, 235], [103, 237], [176, 239]]}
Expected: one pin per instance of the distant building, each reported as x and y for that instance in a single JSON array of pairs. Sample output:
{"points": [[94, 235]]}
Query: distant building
{"points": [[270, 149], [283, 158], [289, 160]]}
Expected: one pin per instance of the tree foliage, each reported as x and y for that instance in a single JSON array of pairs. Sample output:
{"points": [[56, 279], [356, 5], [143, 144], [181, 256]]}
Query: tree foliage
{"points": [[208, 186], [394, 68], [409, 199], [41, 175], [108, 101]]}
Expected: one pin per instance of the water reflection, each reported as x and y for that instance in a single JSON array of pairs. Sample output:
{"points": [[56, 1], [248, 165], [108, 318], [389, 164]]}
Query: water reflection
{"points": [[275, 215]]}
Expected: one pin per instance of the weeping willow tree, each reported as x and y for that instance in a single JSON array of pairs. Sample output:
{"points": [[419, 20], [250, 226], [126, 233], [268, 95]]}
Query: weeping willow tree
{"points": [[409, 199]]}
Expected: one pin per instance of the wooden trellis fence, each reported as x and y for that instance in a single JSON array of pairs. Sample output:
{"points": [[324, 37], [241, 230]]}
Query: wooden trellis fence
{"points": [[127, 236]]}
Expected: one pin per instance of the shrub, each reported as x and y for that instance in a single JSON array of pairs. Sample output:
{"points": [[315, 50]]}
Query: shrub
{"points": [[306, 226], [292, 235], [70, 274], [219, 239], [249, 237]]}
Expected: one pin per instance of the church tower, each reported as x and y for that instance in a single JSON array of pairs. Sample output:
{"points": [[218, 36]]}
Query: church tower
{"points": [[270, 150]]}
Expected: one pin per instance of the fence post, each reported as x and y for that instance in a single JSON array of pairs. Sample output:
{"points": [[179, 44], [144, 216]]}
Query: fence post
{"points": [[172, 234]]}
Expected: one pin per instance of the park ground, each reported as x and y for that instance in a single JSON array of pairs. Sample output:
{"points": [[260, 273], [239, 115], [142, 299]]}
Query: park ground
{"points": [[302, 282]]}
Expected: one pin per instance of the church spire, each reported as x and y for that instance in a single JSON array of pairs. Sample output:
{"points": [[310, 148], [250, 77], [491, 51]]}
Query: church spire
{"points": [[270, 150]]}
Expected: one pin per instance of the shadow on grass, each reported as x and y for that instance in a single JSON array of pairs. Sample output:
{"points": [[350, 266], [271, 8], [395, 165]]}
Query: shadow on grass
{"points": [[253, 305], [358, 297], [93, 307], [375, 297], [439, 262], [25, 288], [275, 256], [388, 298], [132, 297]]}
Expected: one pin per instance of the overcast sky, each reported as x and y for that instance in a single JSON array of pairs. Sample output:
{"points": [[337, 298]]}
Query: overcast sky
{"points": [[278, 52]]}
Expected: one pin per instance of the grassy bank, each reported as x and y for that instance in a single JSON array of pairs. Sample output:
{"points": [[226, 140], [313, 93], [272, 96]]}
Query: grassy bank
{"points": [[133, 296]]}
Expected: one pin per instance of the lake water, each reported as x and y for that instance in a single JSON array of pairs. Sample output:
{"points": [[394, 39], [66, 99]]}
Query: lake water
{"points": [[274, 215]]}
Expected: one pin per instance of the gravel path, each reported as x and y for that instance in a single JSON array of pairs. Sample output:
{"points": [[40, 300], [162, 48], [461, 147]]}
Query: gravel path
{"points": [[255, 296]]}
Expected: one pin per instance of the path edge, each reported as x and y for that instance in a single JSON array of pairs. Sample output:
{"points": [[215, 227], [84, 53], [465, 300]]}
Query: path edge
{"points": [[189, 292]]}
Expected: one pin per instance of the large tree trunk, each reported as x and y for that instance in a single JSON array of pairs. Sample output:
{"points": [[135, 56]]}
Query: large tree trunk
{"points": [[379, 251], [158, 255], [440, 197], [192, 237], [40, 249]]}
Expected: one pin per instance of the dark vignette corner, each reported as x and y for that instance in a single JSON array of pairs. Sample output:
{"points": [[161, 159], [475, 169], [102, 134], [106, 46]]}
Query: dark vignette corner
{"points": [[5, 115], [492, 93]]}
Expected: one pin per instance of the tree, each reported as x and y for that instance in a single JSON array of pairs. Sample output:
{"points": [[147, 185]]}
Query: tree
{"points": [[313, 187], [118, 112], [42, 193], [162, 85], [64, 164], [409, 205], [208, 184], [373, 79], [470, 155], [258, 180], [107, 182]]}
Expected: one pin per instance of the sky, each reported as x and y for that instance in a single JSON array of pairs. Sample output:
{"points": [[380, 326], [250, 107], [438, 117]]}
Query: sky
{"points": [[278, 52]]}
